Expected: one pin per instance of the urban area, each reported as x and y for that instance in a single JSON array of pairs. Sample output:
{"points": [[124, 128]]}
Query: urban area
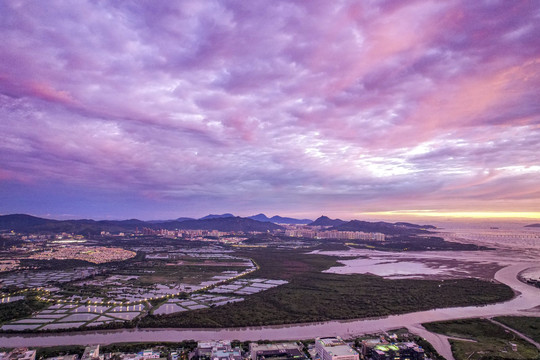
{"points": [[383, 347]]}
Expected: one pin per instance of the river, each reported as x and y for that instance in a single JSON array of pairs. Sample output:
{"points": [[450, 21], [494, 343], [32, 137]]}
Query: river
{"points": [[523, 304]]}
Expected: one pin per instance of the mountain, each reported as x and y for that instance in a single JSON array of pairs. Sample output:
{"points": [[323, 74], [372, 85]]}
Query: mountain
{"points": [[382, 227], [18, 222], [164, 221], [326, 221], [27, 223], [279, 219], [406, 224], [125, 223], [222, 224], [259, 217], [533, 225], [214, 216]]}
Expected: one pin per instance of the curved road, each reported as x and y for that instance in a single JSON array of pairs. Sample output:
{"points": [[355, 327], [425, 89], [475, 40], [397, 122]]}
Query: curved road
{"points": [[528, 298]]}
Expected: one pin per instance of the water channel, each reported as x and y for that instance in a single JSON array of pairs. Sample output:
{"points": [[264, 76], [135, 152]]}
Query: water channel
{"points": [[527, 302]]}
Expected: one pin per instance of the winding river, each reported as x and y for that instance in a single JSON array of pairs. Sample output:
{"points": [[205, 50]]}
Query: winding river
{"points": [[527, 302]]}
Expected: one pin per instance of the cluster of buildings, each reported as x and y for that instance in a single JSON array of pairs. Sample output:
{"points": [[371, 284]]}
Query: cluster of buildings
{"points": [[223, 350], [312, 232], [334, 234], [96, 255], [327, 348], [225, 236], [233, 237]]}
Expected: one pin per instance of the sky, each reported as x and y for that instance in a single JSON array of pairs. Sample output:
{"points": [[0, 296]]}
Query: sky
{"points": [[162, 109]]}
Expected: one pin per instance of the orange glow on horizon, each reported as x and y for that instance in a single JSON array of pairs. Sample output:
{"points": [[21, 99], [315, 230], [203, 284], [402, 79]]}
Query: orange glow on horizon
{"points": [[460, 214]]}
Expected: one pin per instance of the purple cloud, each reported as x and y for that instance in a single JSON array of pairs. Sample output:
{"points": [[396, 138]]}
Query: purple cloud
{"points": [[293, 107]]}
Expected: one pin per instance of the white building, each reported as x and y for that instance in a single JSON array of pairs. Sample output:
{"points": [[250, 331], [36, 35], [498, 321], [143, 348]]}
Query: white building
{"points": [[335, 349]]}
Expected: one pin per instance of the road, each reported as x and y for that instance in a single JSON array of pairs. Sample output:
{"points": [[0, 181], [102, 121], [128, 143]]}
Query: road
{"points": [[521, 335]]}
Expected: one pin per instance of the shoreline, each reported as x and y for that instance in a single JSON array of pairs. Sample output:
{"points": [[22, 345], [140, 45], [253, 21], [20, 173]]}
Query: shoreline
{"points": [[528, 298]]}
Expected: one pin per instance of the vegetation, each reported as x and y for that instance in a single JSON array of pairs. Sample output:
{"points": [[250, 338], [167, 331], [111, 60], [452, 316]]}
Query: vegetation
{"points": [[55, 264], [21, 308], [396, 242], [527, 325], [383, 227], [314, 296], [483, 340], [46, 352], [416, 243], [139, 346], [164, 347]]}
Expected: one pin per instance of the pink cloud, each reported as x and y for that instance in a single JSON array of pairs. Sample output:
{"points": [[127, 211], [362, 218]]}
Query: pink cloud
{"points": [[313, 102]]}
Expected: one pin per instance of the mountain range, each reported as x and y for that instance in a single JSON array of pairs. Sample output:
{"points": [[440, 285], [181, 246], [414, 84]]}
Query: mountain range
{"points": [[280, 219], [224, 222], [259, 217], [28, 223]]}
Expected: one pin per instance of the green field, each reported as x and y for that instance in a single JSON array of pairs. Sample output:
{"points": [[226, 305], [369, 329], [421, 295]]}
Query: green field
{"points": [[527, 325], [314, 296], [483, 340]]}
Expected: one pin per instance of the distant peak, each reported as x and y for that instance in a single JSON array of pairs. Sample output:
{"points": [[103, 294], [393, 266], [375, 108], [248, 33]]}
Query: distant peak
{"points": [[216, 216], [324, 220]]}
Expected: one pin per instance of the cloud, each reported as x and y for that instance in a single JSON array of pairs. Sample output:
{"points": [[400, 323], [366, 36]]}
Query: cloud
{"points": [[339, 105]]}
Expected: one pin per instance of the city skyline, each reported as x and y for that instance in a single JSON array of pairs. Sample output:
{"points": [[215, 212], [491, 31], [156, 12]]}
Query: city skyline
{"points": [[349, 109]]}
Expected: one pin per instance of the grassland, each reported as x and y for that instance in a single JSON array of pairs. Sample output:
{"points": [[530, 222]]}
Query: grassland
{"points": [[314, 296], [482, 340], [527, 325]]}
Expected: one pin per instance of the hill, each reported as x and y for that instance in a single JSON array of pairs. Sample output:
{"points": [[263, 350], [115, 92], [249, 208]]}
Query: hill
{"points": [[382, 227], [406, 224], [164, 221], [222, 224], [19, 222], [533, 225], [27, 223], [279, 219], [216, 216], [326, 221]]}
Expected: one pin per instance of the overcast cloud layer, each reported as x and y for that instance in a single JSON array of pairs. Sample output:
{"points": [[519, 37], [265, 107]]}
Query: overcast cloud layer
{"points": [[159, 109]]}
